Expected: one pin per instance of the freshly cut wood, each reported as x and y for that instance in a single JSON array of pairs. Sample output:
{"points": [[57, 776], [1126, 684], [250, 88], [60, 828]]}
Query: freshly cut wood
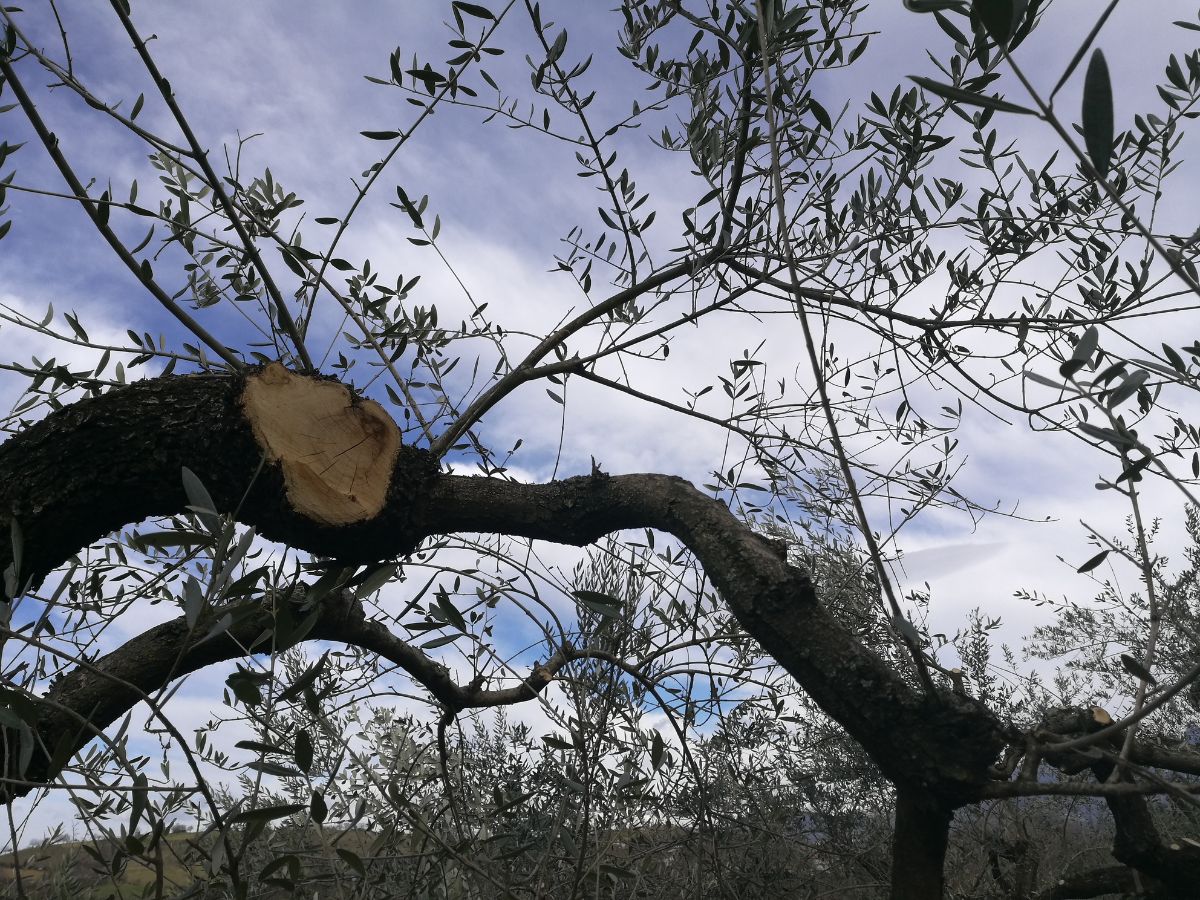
{"points": [[337, 451]]}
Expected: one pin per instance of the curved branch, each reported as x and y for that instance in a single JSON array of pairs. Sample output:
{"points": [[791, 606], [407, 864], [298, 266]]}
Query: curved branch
{"points": [[1138, 844], [92, 696], [527, 371], [91, 468]]}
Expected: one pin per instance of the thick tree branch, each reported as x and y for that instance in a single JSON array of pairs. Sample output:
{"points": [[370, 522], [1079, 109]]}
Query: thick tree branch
{"points": [[922, 832], [107, 461], [1099, 882], [1136, 841]]}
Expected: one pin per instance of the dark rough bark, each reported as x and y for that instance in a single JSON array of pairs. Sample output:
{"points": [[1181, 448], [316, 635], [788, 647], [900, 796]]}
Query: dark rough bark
{"points": [[88, 469], [1098, 883], [943, 744], [105, 462], [919, 847], [1166, 870], [1137, 844]]}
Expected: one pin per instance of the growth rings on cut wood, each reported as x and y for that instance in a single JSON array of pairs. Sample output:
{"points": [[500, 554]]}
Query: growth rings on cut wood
{"points": [[336, 450]]}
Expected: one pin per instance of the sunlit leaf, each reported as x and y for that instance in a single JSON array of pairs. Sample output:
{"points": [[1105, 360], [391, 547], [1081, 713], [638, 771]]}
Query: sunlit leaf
{"points": [[375, 580], [907, 629], [440, 641], [599, 603], [268, 813]]}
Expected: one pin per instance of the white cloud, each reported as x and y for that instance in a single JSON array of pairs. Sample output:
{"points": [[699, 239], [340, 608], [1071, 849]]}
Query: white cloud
{"points": [[505, 198]]}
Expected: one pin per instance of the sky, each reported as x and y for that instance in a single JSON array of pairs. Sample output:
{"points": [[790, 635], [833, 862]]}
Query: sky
{"points": [[291, 74]]}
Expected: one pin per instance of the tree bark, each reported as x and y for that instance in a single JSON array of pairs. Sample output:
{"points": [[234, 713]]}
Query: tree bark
{"points": [[1158, 868], [107, 461], [919, 844], [1173, 868]]}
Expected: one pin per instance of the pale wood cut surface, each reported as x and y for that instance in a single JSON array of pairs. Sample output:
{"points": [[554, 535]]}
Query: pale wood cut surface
{"points": [[336, 451]]}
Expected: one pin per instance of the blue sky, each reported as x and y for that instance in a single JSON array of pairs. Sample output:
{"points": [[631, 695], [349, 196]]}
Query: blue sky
{"points": [[292, 73]]}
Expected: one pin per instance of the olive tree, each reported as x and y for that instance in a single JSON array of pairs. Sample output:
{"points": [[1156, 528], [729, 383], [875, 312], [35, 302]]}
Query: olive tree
{"points": [[902, 248]]}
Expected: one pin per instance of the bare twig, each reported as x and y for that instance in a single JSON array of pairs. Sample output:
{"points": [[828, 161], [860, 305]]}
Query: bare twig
{"points": [[201, 157], [100, 220], [799, 292]]}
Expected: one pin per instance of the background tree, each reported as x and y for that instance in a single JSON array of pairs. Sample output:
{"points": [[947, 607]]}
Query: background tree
{"points": [[740, 697]]}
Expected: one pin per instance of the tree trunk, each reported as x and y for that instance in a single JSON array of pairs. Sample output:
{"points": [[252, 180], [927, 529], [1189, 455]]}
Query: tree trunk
{"points": [[919, 845]]}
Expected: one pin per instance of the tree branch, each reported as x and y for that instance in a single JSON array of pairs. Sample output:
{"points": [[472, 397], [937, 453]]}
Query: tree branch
{"points": [[99, 692], [99, 217], [136, 439]]}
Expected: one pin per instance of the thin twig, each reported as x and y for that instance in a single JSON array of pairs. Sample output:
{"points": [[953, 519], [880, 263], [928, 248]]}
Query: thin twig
{"points": [[198, 153], [50, 142], [799, 292]]}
